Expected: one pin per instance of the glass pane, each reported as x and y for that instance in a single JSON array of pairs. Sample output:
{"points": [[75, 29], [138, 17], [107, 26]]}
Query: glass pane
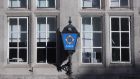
{"points": [[87, 24], [115, 54], [115, 39], [41, 55], [87, 50], [51, 3], [96, 3], [12, 55], [125, 39], [22, 55], [125, 54], [115, 24], [96, 24], [51, 55], [15, 3], [97, 39], [124, 24], [41, 27], [13, 21], [41, 44], [23, 40], [12, 44], [42, 3], [87, 40], [14, 37], [41, 20], [51, 37], [23, 3], [124, 3], [23, 24], [86, 57], [87, 3], [51, 26], [14, 28], [51, 44], [41, 37], [114, 3], [97, 55]]}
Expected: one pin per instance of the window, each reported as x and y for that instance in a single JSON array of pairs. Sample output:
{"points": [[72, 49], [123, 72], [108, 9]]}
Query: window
{"points": [[120, 39], [91, 40], [18, 3], [46, 39], [46, 3], [119, 3], [91, 3], [18, 39]]}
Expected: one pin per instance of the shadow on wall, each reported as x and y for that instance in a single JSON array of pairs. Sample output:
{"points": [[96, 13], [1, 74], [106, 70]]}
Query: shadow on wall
{"points": [[58, 56], [90, 72], [111, 72]]}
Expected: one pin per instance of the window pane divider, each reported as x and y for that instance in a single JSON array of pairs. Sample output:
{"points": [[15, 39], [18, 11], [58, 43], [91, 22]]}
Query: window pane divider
{"points": [[120, 31], [51, 31], [91, 47], [93, 31]]}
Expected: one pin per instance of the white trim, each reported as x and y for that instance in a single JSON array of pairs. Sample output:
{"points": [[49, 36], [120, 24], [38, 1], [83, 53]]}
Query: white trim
{"points": [[119, 4], [100, 5], [46, 35], [130, 40], [55, 4], [47, 4], [27, 5], [81, 32]]}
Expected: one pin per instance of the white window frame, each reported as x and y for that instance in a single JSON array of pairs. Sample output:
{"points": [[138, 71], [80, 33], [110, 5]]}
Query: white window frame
{"points": [[47, 32], [91, 17], [18, 41], [119, 17], [19, 4], [119, 6], [45, 6], [82, 5]]}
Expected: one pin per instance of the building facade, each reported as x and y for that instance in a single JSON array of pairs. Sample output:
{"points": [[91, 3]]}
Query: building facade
{"points": [[31, 44]]}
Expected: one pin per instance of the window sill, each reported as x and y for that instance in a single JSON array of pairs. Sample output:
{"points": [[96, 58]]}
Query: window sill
{"points": [[17, 9], [45, 8], [91, 65], [17, 65], [44, 65], [90, 8], [127, 64], [120, 8]]}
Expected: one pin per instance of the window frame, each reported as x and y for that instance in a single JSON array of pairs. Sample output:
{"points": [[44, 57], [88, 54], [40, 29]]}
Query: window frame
{"points": [[82, 5], [81, 37], [120, 47], [47, 32], [27, 5], [46, 6], [27, 31], [119, 6]]}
